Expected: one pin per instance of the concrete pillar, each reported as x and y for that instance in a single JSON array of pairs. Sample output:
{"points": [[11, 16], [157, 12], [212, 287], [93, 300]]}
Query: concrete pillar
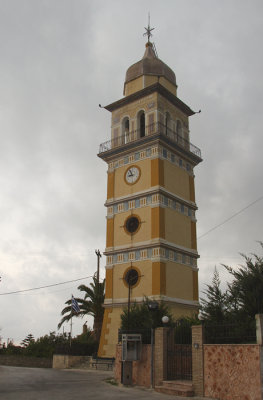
{"points": [[198, 359], [160, 356]]}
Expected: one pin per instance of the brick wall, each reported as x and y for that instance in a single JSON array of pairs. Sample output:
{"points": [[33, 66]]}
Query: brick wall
{"points": [[141, 370], [198, 360]]}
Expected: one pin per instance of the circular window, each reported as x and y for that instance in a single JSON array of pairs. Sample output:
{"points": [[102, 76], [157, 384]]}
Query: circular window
{"points": [[132, 224], [131, 277]]}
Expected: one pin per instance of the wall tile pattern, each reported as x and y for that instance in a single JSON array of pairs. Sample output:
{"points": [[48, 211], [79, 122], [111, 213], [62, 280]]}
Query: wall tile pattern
{"points": [[232, 372]]}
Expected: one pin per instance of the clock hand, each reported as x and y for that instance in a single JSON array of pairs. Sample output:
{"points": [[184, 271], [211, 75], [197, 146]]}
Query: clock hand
{"points": [[130, 173]]}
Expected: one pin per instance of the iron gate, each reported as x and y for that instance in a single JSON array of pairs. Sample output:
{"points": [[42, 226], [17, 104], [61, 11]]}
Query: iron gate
{"points": [[179, 351]]}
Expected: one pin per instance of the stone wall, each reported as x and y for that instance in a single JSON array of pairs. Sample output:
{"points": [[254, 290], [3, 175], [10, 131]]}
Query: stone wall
{"points": [[232, 372], [25, 361], [67, 361], [141, 370]]}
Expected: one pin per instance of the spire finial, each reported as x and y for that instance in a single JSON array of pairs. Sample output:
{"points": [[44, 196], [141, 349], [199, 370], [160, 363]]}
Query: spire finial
{"points": [[148, 29]]}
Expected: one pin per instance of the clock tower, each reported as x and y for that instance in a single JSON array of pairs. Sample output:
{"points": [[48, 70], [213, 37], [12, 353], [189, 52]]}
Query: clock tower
{"points": [[151, 225]]}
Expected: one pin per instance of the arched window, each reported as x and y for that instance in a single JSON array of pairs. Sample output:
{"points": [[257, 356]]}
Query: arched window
{"points": [[179, 129], [125, 130], [141, 124], [167, 123]]}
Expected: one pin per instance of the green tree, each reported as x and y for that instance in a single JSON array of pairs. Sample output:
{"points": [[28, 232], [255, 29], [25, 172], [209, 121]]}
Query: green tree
{"points": [[91, 304], [141, 317], [214, 307], [246, 289], [29, 339]]}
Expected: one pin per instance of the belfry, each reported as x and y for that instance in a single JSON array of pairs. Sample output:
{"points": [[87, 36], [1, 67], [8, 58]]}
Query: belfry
{"points": [[151, 248]]}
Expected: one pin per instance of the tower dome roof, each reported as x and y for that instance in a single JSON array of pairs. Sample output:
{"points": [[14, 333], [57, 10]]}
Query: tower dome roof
{"points": [[150, 64]]}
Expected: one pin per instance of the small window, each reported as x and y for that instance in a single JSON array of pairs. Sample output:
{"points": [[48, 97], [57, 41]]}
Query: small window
{"points": [[137, 203], [126, 206], [182, 208], [165, 200], [137, 254], [180, 162], [137, 156], [173, 158], [149, 199], [175, 256], [148, 152], [131, 277], [126, 160], [132, 224], [164, 153]]}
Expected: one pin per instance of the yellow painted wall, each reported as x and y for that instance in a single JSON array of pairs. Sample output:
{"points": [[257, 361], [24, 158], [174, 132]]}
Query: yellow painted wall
{"points": [[110, 187], [178, 228], [195, 285], [124, 189], [192, 188], [179, 281], [158, 223], [178, 311], [133, 86], [144, 288], [104, 332], [157, 172], [176, 180], [168, 85], [133, 108], [164, 105], [122, 238], [110, 232], [109, 284], [158, 278]]}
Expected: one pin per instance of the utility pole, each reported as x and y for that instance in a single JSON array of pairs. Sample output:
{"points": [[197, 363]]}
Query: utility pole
{"points": [[98, 254]]}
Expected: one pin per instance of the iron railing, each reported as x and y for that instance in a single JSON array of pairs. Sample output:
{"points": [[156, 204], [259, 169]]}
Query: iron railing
{"points": [[238, 333], [149, 130]]}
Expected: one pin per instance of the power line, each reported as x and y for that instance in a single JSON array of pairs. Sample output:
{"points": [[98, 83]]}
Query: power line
{"points": [[44, 287], [231, 217]]}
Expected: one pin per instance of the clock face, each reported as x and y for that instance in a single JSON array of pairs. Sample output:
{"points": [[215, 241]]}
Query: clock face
{"points": [[132, 174]]}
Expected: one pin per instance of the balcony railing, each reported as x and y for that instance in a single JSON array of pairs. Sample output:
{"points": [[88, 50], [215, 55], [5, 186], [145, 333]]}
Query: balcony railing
{"points": [[149, 130]]}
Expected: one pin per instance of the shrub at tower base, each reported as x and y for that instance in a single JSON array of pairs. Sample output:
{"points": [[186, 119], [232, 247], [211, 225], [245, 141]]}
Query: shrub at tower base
{"points": [[140, 317]]}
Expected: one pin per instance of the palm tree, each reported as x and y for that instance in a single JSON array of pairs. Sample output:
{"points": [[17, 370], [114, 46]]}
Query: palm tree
{"points": [[92, 304]]}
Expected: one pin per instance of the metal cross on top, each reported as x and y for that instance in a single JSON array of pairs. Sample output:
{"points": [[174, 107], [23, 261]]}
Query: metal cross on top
{"points": [[148, 29]]}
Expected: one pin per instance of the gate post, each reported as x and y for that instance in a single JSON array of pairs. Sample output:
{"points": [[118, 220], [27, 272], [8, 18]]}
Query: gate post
{"points": [[198, 359], [160, 355]]}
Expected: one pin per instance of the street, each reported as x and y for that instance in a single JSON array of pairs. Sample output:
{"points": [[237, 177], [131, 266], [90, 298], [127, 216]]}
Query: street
{"points": [[17, 383]]}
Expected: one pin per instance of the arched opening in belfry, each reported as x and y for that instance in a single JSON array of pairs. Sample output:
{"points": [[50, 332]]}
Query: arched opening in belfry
{"points": [[167, 123], [125, 129], [141, 123], [179, 129]]}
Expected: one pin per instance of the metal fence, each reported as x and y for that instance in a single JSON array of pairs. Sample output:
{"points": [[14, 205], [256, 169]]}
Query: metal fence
{"points": [[238, 333], [149, 130]]}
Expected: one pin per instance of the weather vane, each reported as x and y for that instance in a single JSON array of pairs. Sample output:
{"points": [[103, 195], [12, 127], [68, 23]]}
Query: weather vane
{"points": [[148, 29]]}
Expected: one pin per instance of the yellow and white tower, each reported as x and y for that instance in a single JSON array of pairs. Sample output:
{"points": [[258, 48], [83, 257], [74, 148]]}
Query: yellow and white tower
{"points": [[151, 224]]}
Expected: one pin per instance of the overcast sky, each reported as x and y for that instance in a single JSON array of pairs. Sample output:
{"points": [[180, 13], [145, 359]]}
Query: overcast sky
{"points": [[59, 60]]}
